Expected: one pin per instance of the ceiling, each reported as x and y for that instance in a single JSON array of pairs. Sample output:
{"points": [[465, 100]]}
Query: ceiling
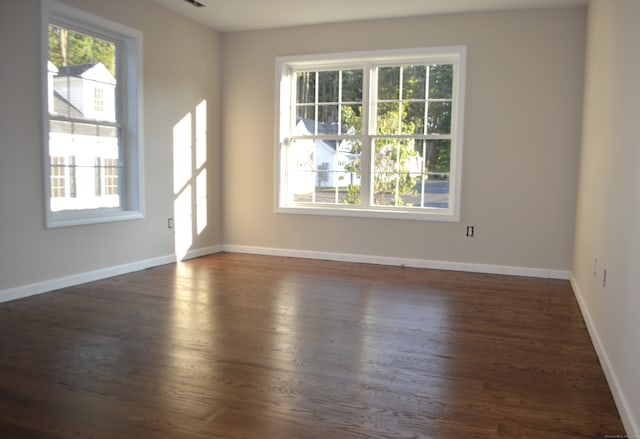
{"points": [[237, 15]]}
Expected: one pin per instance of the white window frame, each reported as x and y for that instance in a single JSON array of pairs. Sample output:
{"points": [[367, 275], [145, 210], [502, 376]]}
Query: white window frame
{"points": [[286, 67], [129, 111]]}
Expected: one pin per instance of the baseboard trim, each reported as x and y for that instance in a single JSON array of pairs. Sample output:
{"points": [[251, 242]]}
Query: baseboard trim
{"points": [[199, 252], [626, 414], [80, 278], [406, 262]]}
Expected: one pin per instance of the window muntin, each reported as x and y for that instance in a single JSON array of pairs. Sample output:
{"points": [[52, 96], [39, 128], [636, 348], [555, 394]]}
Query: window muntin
{"points": [[387, 144], [93, 95]]}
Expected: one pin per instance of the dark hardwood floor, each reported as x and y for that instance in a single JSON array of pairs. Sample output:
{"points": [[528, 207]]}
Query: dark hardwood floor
{"points": [[243, 346]]}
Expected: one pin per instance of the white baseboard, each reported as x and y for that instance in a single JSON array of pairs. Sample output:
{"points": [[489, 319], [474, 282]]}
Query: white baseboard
{"points": [[199, 252], [80, 278], [626, 414], [76, 279], [406, 262]]}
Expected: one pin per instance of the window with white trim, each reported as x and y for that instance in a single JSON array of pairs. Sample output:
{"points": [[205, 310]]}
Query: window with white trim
{"points": [[371, 133], [92, 124]]}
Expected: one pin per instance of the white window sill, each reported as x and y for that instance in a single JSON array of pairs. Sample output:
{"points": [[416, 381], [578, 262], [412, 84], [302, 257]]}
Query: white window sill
{"points": [[79, 218], [442, 215]]}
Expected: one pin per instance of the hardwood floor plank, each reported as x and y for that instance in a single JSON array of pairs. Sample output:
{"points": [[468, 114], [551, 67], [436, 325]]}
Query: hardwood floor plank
{"points": [[245, 346]]}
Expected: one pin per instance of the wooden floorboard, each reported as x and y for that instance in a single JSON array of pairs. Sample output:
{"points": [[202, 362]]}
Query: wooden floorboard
{"points": [[244, 346]]}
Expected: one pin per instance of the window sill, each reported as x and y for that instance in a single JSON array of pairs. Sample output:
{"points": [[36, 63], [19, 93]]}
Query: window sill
{"points": [[80, 218], [441, 215]]}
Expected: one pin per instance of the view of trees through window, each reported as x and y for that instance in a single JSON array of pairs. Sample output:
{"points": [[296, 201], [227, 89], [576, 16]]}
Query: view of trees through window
{"points": [[69, 48], [409, 136]]}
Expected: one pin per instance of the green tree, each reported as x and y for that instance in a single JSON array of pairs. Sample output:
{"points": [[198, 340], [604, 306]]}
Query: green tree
{"points": [[391, 177], [353, 118], [392, 180], [69, 48]]}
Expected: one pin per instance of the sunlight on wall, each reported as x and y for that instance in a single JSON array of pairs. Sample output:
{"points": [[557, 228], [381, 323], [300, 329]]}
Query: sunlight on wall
{"points": [[201, 134], [201, 201], [190, 179], [201, 160]]}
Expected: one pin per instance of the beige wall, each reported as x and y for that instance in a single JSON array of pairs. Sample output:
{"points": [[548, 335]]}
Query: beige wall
{"points": [[608, 214], [522, 149], [522, 135], [181, 67]]}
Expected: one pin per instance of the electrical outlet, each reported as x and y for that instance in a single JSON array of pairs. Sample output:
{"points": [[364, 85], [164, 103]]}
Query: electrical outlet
{"points": [[170, 223], [470, 231], [604, 278]]}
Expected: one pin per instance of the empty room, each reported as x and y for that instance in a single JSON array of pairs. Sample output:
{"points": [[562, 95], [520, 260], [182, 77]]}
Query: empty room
{"points": [[359, 219]]}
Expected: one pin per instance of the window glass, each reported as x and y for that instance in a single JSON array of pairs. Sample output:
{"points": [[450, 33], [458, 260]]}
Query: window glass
{"points": [[91, 102], [382, 138]]}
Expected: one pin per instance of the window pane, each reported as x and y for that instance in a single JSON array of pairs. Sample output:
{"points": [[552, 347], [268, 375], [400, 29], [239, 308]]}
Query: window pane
{"points": [[81, 75], [92, 169], [440, 81], [414, 82], [105, 52], [324, 171], [431, 179], [432, 191], [328, 115], [63, 182], [388, 119], [306, 87], [351, 119], [301, 170], [388, 83], [397, 166], [413, 118], [328, 86], [352, 85], [305, 120], [437, 192], [55, 39], [439, 119], [79, 49], [437, 156]]}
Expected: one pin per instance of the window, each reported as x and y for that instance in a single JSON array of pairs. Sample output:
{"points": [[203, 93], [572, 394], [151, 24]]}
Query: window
{"points": [[63, 179], [107, 175], [98, 99], [93, 137], [372, 134]]}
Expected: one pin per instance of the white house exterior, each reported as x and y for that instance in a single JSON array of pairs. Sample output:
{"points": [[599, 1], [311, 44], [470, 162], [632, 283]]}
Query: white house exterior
{"points": [[83, 138], [90, 88], [323, 163], [320, 163]]}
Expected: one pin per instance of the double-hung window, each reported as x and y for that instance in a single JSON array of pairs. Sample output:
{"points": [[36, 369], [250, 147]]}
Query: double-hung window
{"points": [[92, 70], [371, 133]]}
